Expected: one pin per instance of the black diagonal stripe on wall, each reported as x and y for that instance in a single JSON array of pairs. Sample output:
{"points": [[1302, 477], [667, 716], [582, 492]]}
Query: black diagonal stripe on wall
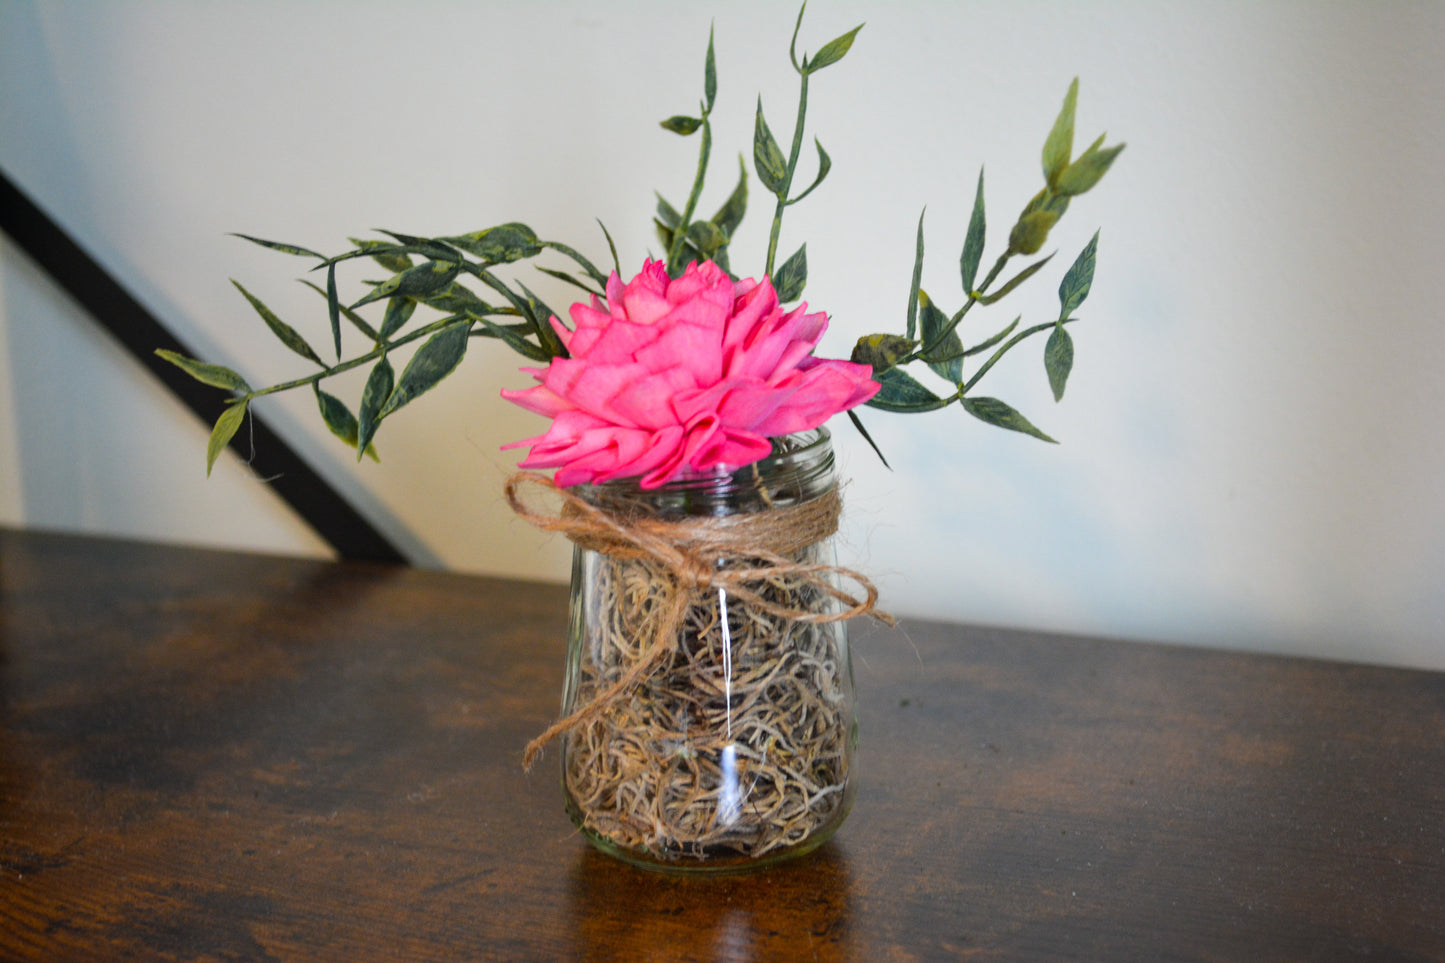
{"points": [[139, 331]]}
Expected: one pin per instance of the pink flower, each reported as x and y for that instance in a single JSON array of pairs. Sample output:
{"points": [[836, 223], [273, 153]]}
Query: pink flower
{"points": [[693, 374]]}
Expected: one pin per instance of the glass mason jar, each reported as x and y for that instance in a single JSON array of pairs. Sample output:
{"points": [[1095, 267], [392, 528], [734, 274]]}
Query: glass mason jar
{"points": [[734, 748]]}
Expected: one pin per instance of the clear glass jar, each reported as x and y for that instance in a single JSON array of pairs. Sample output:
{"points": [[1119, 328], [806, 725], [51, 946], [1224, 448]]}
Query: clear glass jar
{"points": [[736, 748]]}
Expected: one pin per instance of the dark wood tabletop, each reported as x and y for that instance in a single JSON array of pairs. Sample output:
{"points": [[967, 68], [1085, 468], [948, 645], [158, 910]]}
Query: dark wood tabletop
{"points": [[222, 756]]}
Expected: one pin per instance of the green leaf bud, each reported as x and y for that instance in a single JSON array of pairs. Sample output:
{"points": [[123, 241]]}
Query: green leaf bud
{"points": [[682, 124], [882, 351]]}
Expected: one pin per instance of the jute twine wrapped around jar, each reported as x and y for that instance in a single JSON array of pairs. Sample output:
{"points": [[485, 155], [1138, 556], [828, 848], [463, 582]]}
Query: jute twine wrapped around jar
{"points": [[693, 557]]}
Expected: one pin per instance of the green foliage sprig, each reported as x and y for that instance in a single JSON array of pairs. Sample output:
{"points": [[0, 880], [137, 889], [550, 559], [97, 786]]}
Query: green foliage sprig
{"points": [[453, 277], [428, 272], [931, 336]]}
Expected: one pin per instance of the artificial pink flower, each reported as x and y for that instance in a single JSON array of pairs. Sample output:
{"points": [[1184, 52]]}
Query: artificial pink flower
{"points": [[692, 374]]}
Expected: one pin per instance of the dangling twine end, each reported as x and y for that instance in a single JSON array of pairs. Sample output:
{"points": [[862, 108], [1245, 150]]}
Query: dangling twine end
{"points": [[534, 749]]}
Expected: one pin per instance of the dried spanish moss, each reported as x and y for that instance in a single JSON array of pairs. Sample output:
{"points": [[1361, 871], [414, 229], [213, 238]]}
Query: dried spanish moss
{"points": [[736, 748]]}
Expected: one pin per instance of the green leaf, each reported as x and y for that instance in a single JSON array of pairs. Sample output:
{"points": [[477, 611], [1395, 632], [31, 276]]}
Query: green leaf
{"points": [[720, 258], [1060, 143], [433, 361], [912, 328], [1088, 170], [385, 248], [221, 435], [857, 423], [1015, 281], [831, 52], [287, 334], [616, 264], [283, 248], [514, 336], [666, 213], [902, 393], [348, 314], [209, 374], [333, 307], [582, 262], [666, 221], [1075, 286], [931, 320], [502, 244], [973, 241], [434, 248], [730, 215], [985, 345], [664, 234], [383, 253], [996, 413], [339, 419], [398, 313], [455, 298], [1059, 359], [793, 44], [682, 124], [942, 348], [768, 157], [825, 164], [706, 237], [426, 278], [542, 316], [709, 76], [562, 276], [1046, 200], [378, 388], [792, 276]]}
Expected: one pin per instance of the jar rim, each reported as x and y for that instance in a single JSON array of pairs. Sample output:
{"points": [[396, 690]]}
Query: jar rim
{"points": [[799, 469]]}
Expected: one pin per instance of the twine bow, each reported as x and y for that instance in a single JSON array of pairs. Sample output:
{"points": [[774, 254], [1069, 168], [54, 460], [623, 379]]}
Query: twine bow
{"points": [[703, 553]]}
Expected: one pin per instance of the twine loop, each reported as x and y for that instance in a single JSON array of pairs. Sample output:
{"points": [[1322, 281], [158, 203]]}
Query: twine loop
{"points": [[699, 554]]}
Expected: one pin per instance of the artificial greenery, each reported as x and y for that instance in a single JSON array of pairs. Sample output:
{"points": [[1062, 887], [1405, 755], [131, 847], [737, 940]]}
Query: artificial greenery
{"points": [[454, 281]]}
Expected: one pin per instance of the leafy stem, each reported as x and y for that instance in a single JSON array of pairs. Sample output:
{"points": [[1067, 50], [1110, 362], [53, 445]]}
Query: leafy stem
{"points": [[931, 345], [994, 358], [546, 337], [794, 151], [931, 336], [777, 173], [380, 351], [679, 237]]}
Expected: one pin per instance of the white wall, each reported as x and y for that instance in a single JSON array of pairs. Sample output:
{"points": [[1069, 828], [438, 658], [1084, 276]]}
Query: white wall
{"points": [[1250, 447]]}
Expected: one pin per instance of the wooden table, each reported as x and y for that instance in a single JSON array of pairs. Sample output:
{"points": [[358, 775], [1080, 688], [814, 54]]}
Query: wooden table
{"points": [[218, 756]]}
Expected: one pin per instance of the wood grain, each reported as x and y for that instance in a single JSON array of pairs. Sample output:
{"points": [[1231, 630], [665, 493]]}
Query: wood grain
{"points": [[218, 756]]}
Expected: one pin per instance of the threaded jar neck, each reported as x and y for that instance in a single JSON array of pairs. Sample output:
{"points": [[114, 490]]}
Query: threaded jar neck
{"points": [[799, 469]]}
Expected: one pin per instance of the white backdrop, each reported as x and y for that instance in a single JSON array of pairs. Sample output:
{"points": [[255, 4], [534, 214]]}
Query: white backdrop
{"points": [[1250, 449]]}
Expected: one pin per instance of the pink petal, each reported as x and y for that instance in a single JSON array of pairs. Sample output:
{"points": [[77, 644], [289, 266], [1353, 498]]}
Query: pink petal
{"points": [[593, 387], [691, 347], [705, 280], [615, 288], [753, 306], [670, 445], [731, 448], [539, 400], [823, 390], [646, 400], [620, 341], [750, 403], [564, 333], [644, 299]]}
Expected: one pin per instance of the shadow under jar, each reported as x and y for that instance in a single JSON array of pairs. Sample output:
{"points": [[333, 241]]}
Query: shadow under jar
{"points": [[735, 749]]}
